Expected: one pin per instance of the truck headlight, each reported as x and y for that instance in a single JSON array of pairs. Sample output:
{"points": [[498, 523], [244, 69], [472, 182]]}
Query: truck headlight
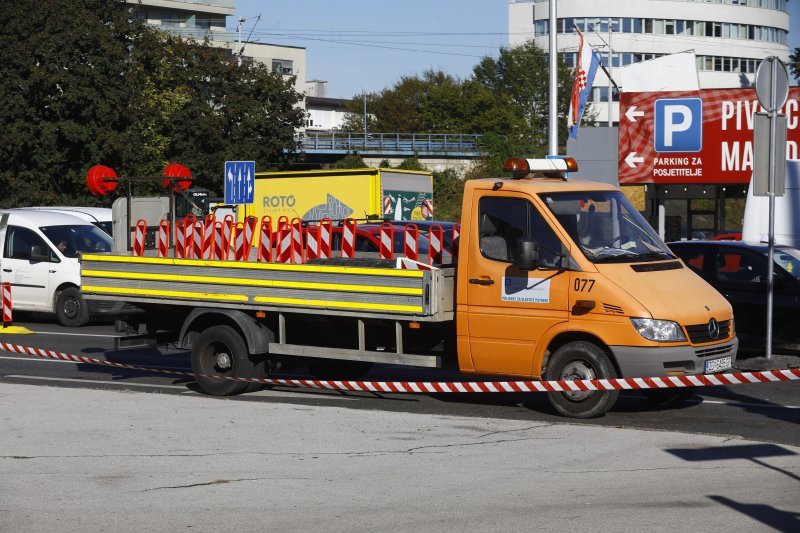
{"points": [[658, 330]]}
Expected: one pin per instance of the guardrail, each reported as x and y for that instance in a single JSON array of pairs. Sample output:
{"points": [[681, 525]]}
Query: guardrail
{"points": [[318, 141]]}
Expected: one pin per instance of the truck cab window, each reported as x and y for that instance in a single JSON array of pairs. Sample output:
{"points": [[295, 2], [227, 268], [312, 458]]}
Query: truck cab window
{"points": [[504, 221]]}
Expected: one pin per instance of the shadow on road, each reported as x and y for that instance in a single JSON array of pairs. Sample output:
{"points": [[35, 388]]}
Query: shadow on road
{"points": [[787, 521]]}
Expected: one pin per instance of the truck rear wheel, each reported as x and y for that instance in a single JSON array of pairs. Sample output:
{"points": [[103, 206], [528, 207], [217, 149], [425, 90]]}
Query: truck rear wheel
{"points": [[581, 360], [221, 351]]}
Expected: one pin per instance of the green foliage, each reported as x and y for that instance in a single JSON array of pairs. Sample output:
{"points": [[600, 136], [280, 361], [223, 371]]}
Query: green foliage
{"points": [[350, 161], [794, 63], [448, 192], [85, 82], [411, 163]]}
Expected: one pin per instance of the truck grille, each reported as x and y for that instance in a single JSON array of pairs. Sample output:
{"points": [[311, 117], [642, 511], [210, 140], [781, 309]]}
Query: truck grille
{"points": [[699, 334], [716, 350]]}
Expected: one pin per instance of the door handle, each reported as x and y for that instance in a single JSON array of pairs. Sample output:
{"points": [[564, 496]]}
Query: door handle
{"points": [[52, 271], [481, 281], [7, 270]]}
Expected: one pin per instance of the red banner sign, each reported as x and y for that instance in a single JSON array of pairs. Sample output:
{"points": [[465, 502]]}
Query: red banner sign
{"points": [[701, 136]]}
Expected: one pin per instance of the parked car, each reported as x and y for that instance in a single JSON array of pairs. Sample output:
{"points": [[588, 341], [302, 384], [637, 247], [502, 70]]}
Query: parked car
{"points": [[738, 270], [98, 216], [40, 260]]}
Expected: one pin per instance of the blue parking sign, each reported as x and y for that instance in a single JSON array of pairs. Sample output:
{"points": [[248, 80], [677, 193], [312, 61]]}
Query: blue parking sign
{"points": [[678, 125], [240, 182]]}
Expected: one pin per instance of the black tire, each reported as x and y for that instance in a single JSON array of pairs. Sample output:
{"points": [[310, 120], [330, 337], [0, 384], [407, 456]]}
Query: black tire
{"points": [[338, 369], [665, 398], [71, 308], [221, 351], [581, 360]]}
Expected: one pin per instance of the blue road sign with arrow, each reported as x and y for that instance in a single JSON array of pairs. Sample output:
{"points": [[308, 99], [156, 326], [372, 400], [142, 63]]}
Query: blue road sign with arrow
{"points": [[239, 182]]}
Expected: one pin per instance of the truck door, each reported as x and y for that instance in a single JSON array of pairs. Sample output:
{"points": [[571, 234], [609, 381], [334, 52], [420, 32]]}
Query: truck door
{"points": [[509, 309], [30, 280]]}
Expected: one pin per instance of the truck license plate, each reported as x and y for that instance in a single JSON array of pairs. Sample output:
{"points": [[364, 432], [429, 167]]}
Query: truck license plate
{"points": [[715, 365]]}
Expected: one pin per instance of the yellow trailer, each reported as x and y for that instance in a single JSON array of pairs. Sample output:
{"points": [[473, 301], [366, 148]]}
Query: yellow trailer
{"points": [[338, 194]]}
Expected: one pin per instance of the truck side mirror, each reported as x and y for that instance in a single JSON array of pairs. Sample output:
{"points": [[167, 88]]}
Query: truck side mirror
{"points": [[528, 254], [39, 253]]}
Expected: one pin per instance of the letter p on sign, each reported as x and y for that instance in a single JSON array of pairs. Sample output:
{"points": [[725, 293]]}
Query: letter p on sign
{"points": [[678, 125]]}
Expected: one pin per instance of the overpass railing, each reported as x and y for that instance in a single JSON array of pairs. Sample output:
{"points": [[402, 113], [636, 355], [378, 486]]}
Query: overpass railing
{"points": [[320, 141]]}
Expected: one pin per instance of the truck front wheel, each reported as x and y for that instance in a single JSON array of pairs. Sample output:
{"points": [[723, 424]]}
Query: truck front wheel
{"points": [[221, 351], [581, 360]]}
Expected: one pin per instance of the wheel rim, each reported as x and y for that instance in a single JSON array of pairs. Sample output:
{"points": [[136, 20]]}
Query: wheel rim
{"points": [[72, 307], [575, 370], [217, 359]]}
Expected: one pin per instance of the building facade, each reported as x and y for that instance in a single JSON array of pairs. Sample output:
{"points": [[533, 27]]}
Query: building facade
{"points": [[201, 19], [729, 37]]}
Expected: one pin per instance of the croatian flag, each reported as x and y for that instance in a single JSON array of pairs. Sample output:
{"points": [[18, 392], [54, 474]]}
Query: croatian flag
{"points": [[585, 69]]}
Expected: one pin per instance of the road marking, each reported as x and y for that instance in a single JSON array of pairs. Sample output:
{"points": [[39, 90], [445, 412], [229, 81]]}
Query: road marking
{"points": [[757, 405], [97, 381], [38, 360]]}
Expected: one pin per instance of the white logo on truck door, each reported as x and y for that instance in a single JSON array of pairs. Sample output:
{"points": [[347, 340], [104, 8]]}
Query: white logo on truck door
{"points": [[532, 290]]}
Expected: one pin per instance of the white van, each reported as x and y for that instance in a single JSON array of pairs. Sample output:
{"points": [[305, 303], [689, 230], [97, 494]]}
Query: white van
{"points": [[99, 216], [40, 260]]}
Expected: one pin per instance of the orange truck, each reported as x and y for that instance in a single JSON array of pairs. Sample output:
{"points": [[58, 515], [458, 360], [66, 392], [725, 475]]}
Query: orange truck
{"points": [[555, 279]]}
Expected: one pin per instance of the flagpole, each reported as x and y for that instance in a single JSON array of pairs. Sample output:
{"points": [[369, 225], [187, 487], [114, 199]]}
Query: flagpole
{"points": [[553, 116]]}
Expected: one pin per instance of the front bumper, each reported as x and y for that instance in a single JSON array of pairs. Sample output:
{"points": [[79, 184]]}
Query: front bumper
{"points": [[637, 362]]}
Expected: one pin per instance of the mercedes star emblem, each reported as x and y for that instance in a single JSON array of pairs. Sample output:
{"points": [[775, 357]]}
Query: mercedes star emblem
{"points": [[713, 329]]}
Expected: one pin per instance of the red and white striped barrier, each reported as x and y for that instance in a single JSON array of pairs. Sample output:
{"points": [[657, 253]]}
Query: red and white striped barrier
{"points": [[283, 248], [387, 206], [240, 249], [208, 237], [188, 249], [138, 238], [162, 243], [219, 241], [456, 235], [297, 241], [435, 239], [349, 229], [702, 380], [312, 242], [404, 263], [180, 239], [325, 237], [250, 224], [386, 241], [265, 240], [227, 236], [7, 304], [198, 231], [411, 242]]}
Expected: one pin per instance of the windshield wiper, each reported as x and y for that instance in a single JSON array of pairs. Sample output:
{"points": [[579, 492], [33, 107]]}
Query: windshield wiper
{"points": [[653, 256]]}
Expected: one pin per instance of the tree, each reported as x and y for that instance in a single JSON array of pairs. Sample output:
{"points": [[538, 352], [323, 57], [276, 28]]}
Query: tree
{"points": [[112, 90], [64, 92], [794, 63], [350, 161], [519, 77]]}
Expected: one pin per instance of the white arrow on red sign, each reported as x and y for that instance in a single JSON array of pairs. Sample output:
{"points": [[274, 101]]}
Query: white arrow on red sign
{"points": [[631, 113], [631, 159]]}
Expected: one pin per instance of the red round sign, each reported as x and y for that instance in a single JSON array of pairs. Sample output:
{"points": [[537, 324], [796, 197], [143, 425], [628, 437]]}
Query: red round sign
{"points": [[180, 174], [101, 180]]}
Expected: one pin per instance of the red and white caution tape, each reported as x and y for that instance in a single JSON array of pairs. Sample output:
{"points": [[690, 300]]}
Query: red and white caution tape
{"points": [[708, 380]]}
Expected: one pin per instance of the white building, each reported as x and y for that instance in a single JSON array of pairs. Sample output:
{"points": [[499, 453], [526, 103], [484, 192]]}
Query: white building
{"points": [[729, 37], [198, 19]]}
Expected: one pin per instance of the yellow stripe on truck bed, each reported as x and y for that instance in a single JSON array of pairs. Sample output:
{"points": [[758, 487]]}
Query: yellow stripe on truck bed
{"points": [[409, 291], [340, 305], [157, 292], [253, 265]]}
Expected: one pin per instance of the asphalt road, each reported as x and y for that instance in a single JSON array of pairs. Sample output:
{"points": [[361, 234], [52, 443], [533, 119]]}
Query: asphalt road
{"points": [[762, 412]]}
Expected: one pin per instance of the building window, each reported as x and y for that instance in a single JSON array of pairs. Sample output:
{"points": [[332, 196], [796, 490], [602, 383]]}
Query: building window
{"points": [[283, 66]]}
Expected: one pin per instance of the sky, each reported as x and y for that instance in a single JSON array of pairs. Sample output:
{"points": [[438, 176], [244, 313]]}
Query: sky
{"points": [[367, 45]]}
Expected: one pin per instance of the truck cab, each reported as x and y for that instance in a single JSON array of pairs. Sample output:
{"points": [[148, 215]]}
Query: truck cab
{"points": [[563, 279]]}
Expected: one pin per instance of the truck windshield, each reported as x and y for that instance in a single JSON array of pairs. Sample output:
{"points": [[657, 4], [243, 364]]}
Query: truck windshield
{"points": [[72, 240], [606, 227]]}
